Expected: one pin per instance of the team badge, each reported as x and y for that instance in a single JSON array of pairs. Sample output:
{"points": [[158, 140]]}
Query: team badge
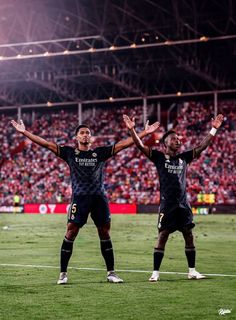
{"points": [[77, 151], [94, 154], [180, 161], [167, 158]]}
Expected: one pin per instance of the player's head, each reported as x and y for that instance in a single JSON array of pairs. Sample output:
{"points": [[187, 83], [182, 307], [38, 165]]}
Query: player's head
{"points": [[83, 134], [171, 140]]}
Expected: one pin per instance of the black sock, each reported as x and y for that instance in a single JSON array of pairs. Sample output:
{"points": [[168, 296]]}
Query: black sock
{"points": [[107, 253], [66, 252], [157, 258], [191, 256]]}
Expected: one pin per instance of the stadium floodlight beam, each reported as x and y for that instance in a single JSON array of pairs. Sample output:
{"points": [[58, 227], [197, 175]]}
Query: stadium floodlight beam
{"points": [[92, 49], [29, 43]]}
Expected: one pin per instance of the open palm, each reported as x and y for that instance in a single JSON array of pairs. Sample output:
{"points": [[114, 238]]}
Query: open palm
{"points": [[130, 124], [151, 128], [216, 123], [18, 126]]}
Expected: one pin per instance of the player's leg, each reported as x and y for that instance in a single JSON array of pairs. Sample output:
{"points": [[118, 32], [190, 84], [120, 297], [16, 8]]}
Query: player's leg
{"points": [[107, 252], [101, 216], [77, 217], [106, 245], [167, 223], [190, 253], [66, 251], [158, 254]]}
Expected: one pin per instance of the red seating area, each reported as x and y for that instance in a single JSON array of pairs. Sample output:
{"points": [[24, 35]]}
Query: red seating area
{"points": [[39, 176], [214, 171]]}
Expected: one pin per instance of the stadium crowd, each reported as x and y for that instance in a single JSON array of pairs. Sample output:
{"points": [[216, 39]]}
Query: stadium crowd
{"points": [[38, 176]]}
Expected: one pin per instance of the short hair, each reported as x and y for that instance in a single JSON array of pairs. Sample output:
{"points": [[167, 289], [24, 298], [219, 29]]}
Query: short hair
{"points": [[166, 135], [81, 126]]}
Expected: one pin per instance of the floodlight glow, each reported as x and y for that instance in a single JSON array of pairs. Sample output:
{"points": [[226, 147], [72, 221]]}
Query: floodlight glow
{"points": [[203, 38]]}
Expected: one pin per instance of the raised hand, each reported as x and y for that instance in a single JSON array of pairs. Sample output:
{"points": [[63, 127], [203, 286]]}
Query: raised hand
{"points": [[18, 126], [151, 128], [130, 124], [216, 123]]}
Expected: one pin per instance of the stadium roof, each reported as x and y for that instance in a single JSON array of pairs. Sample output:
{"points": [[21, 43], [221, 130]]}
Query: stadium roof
{"points": [[88, 50]]}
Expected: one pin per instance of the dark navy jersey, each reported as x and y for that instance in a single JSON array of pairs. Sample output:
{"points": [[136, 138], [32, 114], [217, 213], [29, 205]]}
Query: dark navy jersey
{"points": [[86, 168], [172, 176]]}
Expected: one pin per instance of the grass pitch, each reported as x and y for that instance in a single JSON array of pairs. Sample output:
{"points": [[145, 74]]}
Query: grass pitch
{"points": [[29, 259]]}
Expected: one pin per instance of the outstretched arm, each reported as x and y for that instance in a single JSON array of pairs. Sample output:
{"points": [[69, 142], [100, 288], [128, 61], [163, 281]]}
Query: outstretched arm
{"points": [[130, 124], [123, 144], [216, 123], [20, 127]]}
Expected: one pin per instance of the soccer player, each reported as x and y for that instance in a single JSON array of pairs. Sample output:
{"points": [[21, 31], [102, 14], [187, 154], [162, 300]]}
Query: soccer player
{"points": [[88, 194], [175, 212]]}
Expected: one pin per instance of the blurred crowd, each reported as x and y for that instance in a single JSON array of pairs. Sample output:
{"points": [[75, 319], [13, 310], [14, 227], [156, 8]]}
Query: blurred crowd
{"points": [[38, 176]]}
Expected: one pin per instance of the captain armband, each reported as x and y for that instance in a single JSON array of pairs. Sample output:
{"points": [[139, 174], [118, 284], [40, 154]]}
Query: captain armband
{"points": [[213, 131]]}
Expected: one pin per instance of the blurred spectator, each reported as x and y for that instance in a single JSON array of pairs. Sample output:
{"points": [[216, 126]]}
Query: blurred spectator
{"points": [[38, 176]]}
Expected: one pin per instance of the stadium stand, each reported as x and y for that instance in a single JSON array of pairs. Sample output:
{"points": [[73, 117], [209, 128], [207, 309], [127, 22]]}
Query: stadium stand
{"points": [[38, 176]]}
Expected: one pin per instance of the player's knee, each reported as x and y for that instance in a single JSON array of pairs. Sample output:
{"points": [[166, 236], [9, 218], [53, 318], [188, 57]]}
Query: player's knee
{"points": [[163, 237], [72, 231], [104, 231], [187, 233], [188, 236]]}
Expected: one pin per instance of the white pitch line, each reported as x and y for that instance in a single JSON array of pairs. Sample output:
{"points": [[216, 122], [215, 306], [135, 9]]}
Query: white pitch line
{"points": [[118, 270]]}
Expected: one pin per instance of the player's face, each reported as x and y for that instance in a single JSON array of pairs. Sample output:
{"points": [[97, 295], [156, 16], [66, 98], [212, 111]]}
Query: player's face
{"points": [[84, 136], [173, 142]]}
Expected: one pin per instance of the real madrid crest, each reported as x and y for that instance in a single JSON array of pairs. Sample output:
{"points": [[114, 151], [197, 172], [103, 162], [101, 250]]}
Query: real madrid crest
{"points": [[77, 151], [167, 158]]}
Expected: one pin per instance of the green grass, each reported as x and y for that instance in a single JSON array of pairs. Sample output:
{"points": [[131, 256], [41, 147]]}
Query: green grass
{"points": [[31, 292]]}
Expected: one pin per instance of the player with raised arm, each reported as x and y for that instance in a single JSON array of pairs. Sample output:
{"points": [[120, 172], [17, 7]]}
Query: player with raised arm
{"points": [[88, 193], [175, 212]]}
